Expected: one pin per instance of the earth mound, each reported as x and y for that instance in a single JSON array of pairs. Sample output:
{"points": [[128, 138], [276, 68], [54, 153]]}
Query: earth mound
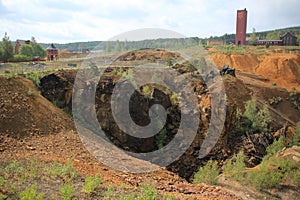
{"points": [[151, 55], [25, 112]]}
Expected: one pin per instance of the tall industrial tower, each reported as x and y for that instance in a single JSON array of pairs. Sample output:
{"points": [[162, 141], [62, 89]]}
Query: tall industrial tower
{"points": [[241, 27]]}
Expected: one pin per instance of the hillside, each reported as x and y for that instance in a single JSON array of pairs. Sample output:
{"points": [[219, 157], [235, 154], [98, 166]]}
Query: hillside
{"points": [[164, 43]]}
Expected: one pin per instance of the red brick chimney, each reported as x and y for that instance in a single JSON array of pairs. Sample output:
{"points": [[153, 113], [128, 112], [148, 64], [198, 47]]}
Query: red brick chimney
{"points": [[241, 27]]}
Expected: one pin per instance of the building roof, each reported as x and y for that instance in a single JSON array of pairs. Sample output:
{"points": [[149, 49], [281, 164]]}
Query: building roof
{"points": [[51, 47], [23, 41], [287, 34]]}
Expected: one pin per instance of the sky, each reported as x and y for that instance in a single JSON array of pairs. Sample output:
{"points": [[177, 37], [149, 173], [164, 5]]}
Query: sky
{"points": [[64, 21]]}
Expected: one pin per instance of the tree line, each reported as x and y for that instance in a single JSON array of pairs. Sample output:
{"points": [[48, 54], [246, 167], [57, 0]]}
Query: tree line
{"points": [[26, 51]]}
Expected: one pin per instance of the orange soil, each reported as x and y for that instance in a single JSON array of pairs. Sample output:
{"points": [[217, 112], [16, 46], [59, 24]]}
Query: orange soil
{"points": [[282, 69]]}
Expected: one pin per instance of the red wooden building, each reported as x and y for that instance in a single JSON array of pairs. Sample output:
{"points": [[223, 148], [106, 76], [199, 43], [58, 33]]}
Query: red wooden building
{"points": [[269, 42], [52, 53]]}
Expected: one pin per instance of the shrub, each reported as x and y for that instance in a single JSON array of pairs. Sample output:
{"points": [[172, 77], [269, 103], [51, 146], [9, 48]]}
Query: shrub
{"points": [[207, 174], [296, 137], [67, 191], [147, 91], [236, 169], [91, 183], [169, 62], [272, 170], [275, 147], [19, 57], [264, 178], [30, 193]]}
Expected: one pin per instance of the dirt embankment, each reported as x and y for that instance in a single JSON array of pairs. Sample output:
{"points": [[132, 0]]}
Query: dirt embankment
{"points": [[24, 111], [280, 69]]}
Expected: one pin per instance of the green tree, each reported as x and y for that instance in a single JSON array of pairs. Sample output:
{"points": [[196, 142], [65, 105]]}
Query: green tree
{"points": [[37, 50], [26, 50], [7, 48], [254, 120], [253, 38], [274, 35]]}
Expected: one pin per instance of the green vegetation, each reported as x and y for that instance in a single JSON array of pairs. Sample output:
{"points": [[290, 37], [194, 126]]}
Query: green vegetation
{"points": [[269, 174], [253, 120], [21, 178], [274, 100], [30, 193], [296, 177], [160, 138], [296, 138], [26, 51], [67, 191], [230, 49], [32, 50], [273, 170], [147, 91], [236, 169], [64, 171], [174, 98], [91, 183], [253, 38], [148, 193], [6, 49], [208, 173], [169, 62]]}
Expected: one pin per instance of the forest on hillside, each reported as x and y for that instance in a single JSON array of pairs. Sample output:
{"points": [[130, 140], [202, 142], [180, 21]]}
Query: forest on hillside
{"points": [[170, 43]]}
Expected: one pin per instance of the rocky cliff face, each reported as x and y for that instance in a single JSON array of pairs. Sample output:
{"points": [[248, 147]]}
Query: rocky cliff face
{"points": [[57, 86]]}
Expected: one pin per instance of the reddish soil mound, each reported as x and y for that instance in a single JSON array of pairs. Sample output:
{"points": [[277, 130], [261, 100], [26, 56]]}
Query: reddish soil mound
{"points": [[23, 111], [282, 69]]}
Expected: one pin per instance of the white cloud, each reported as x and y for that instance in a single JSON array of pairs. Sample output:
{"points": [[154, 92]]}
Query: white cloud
{"points": [[77, 20]]}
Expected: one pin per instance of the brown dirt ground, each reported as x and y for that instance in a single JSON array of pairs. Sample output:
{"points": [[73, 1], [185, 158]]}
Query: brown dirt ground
{"points": [[32, 127]]}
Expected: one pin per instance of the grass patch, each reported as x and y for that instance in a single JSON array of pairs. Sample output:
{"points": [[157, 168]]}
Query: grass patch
{"points": [[30, 193], [64, 171], [148, 192], [91, 183], [67, 191]]}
